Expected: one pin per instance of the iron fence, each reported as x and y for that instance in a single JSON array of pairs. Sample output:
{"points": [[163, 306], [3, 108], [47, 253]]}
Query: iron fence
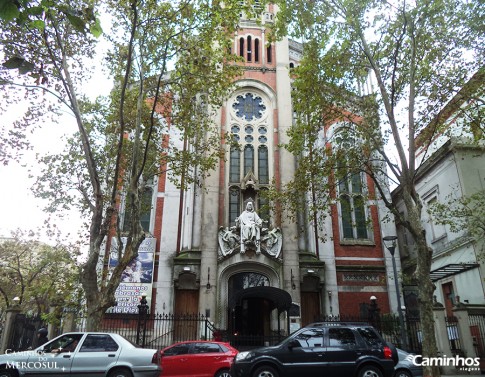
{"points": [[161, 330], [477, 329], [453, 335], [24, 330], [156, 330]]}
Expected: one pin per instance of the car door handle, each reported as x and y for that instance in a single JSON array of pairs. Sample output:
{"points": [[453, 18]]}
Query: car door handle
{"points": [[66, 356], [111, 355], [320, 354]]}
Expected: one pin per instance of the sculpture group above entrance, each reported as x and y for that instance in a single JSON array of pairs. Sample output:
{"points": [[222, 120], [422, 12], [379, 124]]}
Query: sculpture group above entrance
{"points": [[249, 234]]}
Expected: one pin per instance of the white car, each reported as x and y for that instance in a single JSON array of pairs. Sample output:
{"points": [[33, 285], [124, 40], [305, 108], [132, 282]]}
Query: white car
{"points": [[81, 354]]}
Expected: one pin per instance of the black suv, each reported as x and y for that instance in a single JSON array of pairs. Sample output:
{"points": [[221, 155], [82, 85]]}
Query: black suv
{"points": [[328, 349]]}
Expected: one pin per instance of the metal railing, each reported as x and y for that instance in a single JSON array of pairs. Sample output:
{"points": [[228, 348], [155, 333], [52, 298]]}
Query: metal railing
{"points": [[156, 330]]}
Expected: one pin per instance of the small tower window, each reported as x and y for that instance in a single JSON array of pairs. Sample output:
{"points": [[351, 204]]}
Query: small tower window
{"points": [[249, 49], [241, 47], [268, 53], [256, 50]]}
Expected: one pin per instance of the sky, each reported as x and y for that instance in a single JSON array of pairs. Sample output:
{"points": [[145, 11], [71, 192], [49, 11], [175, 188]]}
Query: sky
{"points": [[19, 209]]}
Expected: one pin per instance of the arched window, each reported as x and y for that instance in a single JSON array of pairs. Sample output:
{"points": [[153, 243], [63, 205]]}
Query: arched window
{"points": [[256, 50], [263, 205], [234, 208], [234, 168], [352, 206], [268, 54], [249, 127], [244, 280], [263, 169], [249, 48], [248, 159], [145, 210], [241, 47]]}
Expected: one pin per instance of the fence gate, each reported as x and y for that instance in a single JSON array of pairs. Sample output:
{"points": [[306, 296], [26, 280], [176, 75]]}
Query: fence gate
{"points": [[24, 331], [477, 329]]}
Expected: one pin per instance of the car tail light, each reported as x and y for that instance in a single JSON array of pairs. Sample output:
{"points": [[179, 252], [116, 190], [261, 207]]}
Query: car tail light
{"points": [[155, 358], [387, 352]]}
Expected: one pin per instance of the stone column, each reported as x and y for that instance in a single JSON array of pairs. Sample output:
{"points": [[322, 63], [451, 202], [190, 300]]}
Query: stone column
{"points": [[10, 315], [69, 321], [441, 332]]}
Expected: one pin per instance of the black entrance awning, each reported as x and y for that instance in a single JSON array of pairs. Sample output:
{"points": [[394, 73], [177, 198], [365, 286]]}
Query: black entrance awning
{"points": [[451, 269], [281, 299]]}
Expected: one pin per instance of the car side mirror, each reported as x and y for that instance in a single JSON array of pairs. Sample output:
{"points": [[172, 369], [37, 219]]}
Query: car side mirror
{"points": [[294, 344]]}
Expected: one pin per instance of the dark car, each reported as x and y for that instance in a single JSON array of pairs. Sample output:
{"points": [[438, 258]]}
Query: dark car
{"points": [[197, 358], [330, 349], [406, 366]]}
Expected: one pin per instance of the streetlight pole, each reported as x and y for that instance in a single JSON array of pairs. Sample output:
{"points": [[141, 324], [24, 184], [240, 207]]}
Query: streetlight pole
{"points": [[390, 243], [142, 321]]}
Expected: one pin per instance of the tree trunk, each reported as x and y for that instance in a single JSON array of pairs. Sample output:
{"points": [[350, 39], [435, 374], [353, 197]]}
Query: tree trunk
{"points": [[425, 287], [94, 318]]}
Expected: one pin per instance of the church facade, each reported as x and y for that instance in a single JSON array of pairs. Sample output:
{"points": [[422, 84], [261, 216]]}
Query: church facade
{"points": [[220, 253]]}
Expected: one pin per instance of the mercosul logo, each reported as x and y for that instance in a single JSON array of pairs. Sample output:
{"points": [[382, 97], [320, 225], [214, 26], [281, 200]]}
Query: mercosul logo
{"points": [[464, 363]]}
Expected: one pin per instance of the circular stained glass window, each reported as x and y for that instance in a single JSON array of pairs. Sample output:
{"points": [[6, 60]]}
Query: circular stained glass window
{"points": [[236, 137], [262, 130], [248, 106], [235, 129], [249, 129], [263, 139], [249, 139]]}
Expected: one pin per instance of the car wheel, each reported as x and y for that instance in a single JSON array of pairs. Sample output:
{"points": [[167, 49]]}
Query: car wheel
{"points": [[8, 373], [120, 372], [266, 371], [223, 373], [370, 371], [403, 373]]}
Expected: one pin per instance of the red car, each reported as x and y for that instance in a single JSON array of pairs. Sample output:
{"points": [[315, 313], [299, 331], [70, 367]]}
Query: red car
{"points": [[197, 358]]}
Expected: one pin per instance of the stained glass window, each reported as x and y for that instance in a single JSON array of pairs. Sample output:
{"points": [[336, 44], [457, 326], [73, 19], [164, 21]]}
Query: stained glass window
{"points": [[234, 171], [263, 172], [248, 159], [249, 107]]}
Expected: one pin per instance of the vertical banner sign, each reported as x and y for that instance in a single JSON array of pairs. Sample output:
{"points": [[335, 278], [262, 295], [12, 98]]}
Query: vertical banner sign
{"points": [[136, 279]]}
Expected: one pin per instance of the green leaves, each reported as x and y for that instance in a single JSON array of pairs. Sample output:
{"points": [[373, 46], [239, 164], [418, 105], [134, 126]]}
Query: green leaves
{"points": [[19, 63], [34, 15], [35, 272], [9, 10]]}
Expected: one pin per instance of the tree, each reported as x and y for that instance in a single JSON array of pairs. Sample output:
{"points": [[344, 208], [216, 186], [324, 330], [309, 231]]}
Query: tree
{"points": [[38, 274], [168, 63], [419, 54]]}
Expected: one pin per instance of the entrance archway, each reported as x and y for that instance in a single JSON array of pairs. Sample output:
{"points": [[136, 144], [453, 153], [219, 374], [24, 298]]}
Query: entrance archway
{"points": [[251, 308]]}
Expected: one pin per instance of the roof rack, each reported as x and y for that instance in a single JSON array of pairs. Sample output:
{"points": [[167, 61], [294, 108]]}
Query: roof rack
{"points": [[337, 323]]}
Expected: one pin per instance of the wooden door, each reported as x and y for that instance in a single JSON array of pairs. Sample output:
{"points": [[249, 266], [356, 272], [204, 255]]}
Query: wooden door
{"points": [[310, 307], [186, 317]]}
